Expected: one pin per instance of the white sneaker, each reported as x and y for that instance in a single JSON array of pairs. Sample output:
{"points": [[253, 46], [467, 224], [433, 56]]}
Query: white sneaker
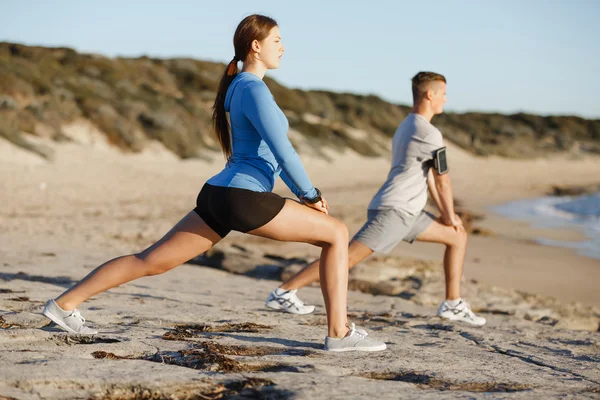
{"points": [[287, 301], [355, 340], [70, 321], [460, 312]]}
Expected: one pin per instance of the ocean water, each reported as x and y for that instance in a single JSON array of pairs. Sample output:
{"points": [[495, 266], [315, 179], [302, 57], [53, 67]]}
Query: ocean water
{"points": [[579, 212]]}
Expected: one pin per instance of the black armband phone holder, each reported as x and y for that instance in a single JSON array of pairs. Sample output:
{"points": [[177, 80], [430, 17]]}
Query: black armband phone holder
{"points": [[440, 163]]}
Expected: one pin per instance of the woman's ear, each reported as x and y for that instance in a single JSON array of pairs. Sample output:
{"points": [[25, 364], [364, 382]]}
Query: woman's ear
{"points": [[255, 46]]}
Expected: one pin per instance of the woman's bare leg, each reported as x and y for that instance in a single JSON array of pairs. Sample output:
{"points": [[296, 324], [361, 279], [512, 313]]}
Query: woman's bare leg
{"points": [[357, 251], [456, 246], [188, 238], [298, 223]]}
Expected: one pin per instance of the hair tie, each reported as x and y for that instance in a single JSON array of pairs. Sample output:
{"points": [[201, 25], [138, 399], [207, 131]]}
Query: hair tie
{"points": [[232, 67]]}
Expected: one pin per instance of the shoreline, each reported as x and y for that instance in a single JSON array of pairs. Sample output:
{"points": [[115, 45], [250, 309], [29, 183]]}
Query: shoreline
{"points": [[543, 214]]}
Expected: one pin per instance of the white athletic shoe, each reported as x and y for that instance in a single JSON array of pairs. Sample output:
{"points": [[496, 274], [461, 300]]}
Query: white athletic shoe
{"points": [[70, 321], [355, 340], [461, 312], [287, 301]]}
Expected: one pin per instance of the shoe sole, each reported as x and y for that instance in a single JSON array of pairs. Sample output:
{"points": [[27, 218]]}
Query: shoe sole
{"points": [[58, 322], [374, 348], [462, 320], [276, 306]]}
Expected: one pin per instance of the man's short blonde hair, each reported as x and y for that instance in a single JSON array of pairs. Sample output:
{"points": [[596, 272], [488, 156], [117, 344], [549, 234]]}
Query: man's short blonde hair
{"points": [[421, 82]]}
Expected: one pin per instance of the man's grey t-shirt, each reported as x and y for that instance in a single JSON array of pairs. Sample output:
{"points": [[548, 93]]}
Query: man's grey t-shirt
{"points": [[413, 148]]}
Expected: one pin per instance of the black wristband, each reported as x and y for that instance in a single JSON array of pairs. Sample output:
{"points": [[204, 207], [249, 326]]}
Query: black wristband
{"points": [[315, 199]]}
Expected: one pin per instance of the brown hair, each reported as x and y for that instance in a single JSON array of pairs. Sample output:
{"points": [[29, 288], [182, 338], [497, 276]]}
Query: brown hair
{"points": [[253, 27], [421, 81]]}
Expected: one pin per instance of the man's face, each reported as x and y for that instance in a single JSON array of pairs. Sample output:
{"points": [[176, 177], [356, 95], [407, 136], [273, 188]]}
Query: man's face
{"points": [[438, 97]]}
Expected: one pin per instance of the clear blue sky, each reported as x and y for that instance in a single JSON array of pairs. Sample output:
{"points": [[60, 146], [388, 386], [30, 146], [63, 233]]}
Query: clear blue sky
{"points": [[540, 56]]}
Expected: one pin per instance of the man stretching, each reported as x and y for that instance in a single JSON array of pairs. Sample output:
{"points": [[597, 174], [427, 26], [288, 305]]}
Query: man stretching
{"points": [[397, 213]]}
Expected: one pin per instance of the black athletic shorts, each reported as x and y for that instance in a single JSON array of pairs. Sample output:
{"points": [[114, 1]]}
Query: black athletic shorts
{"points": [[227, 209]]}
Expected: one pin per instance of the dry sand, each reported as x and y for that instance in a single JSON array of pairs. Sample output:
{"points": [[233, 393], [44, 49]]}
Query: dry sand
{"points": [[61, 219]]}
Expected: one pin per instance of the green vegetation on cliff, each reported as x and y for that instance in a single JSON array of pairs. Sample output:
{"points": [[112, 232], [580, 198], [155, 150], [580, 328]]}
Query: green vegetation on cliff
{"points": [[134, 100]]}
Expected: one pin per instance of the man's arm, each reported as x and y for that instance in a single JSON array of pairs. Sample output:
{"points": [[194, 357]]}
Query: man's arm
{"points": [[432, 190], [441, 192]]}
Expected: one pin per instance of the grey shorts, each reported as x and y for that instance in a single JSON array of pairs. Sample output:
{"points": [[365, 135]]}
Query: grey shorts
{"points": [[384, 229]]}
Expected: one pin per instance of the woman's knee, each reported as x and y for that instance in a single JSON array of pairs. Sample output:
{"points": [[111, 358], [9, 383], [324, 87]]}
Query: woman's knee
{"points": [[339, 232]]}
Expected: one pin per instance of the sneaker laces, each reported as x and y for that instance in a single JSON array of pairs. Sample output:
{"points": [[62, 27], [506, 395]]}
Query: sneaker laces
{"points": [[466, 309], [295, 299], [360, 332], [76, 314]]}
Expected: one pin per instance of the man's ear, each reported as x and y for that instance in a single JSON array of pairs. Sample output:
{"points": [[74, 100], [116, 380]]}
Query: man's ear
{"points": [[429, 94]]}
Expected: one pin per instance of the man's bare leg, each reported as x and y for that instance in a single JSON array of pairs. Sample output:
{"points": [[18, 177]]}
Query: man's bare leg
{"points": [[454, 257], [455, 238]]}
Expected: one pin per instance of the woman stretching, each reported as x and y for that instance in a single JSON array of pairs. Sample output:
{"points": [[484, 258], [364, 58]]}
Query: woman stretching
{"points": [[239, 197]]}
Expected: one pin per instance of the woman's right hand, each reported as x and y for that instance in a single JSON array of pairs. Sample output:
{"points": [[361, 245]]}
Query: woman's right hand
{"points": [[321, 206]]}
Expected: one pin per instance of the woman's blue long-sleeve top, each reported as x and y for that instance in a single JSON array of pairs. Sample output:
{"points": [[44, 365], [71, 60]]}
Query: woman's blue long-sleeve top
{"points": [[261, 150]]}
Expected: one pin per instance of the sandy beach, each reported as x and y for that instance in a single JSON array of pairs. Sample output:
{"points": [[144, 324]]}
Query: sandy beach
{"points": [[61, 219]]}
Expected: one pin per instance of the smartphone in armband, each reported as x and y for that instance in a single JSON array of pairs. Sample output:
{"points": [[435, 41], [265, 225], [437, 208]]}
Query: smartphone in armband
{"points": [[440, 163]]}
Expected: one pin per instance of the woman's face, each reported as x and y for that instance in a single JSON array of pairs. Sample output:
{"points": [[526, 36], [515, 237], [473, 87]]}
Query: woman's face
{"points": [[270, 49]]}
